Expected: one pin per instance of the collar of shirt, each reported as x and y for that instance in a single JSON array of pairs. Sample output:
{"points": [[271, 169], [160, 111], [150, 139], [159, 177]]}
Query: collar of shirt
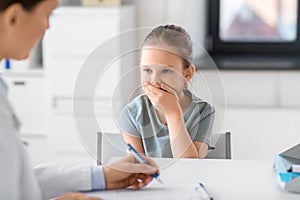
{"points": [[3, 86]]}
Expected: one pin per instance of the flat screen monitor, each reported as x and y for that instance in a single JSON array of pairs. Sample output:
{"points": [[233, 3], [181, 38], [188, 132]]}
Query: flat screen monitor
{"points": [[258, 21], [254, 27]]}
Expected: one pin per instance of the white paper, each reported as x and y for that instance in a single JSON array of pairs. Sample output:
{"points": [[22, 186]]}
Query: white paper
{"points": [[153, 191]]}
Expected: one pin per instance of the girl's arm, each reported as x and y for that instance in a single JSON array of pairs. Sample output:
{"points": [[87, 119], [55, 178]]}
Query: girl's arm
{"points": [[136, 142], [202, 149], [181, 143]]}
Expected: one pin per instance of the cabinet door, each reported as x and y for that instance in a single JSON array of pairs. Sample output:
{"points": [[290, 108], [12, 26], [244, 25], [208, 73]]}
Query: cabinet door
{"points": [[78, 32], [28, 98], [73, 35], [37, 147], [65, 138], [61, 78], [66, 49], [68, 145]]}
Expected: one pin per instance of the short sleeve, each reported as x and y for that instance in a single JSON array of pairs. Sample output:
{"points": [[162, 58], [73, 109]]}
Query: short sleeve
{"points": [[204, 128], [127, 122]]}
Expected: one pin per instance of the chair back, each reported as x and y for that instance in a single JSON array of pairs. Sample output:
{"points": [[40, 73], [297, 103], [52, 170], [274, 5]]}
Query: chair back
{"points": [[222, 148], [109, 145], [112, 145]]}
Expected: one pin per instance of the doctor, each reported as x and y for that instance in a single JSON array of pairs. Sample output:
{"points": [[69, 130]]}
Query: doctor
{"points": [[22, 24]]}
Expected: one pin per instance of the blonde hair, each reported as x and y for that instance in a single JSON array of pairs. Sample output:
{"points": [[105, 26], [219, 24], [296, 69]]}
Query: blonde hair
{"points": [[172, 38]]}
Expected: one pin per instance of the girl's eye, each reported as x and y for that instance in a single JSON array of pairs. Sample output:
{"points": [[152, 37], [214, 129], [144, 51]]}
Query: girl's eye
{"points": [[147, 70], [167, 71]]}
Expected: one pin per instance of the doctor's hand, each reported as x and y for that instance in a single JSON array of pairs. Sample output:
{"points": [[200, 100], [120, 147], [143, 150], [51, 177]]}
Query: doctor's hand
{"points": [[164, 99], [128, 172], [76, 196]]}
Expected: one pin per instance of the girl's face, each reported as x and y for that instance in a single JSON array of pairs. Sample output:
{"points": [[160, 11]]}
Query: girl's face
{"points": [[162, 66], [27, 28]]}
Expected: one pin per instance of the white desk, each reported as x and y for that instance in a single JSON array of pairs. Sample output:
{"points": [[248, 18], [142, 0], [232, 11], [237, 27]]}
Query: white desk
{"points": [[226, 179]]}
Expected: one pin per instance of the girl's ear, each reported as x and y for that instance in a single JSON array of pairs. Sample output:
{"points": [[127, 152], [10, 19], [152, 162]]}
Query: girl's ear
{"points": [[189, 72]]}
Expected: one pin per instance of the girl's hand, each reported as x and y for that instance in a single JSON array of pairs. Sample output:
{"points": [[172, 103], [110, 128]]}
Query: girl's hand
{"points": [[164, 99]]}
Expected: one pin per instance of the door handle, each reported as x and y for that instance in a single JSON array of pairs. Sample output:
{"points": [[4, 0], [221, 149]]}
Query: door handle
{"points": [[19, 83]]}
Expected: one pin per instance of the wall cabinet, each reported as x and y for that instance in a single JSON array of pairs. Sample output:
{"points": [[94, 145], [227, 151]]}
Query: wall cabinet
{"points": [[75, 33], [27, 94]]}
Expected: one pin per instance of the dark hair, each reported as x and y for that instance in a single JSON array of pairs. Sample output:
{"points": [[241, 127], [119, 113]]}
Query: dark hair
{"points": [[172, 38], [27, 4]]}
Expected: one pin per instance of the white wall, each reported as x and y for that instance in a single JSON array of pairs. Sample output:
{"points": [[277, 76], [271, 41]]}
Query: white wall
{"points": [[263, 112], [190, 14], [261, 132]]}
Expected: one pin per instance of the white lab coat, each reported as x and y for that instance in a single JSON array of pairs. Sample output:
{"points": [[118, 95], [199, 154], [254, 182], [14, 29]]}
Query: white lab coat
{"points": [[18, 180]]}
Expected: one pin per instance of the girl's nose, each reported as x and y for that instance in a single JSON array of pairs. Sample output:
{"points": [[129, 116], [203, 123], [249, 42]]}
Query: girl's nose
{"points": [[155, 81]]}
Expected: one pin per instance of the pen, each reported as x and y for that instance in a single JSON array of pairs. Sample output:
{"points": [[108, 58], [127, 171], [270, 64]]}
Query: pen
{"points": [[142, 160], [204, 193], [7, 64]]}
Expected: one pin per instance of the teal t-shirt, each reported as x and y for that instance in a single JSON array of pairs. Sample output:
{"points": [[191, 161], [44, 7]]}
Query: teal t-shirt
{"points": [[140, 119]]}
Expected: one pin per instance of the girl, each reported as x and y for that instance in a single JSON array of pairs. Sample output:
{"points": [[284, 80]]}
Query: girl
{"points": [[168, 120]]}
